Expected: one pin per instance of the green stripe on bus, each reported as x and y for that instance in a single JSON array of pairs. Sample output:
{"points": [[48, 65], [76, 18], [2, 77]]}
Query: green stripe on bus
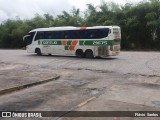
{"points": [[88, 42], [69, 42], [110, 42], [66, 47], [81, 42], [59, 42], [96, 42]]}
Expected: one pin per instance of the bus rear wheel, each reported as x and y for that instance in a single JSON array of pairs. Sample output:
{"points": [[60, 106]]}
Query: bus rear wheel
{"points": [[89, 54], [79, 53], [38, 51]]}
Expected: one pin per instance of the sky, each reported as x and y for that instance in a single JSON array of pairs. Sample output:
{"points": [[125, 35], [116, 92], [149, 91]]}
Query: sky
{"points": [[26, 9]]}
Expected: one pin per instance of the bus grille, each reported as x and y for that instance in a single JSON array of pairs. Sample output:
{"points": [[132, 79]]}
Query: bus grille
{"points": [[102, 50]]}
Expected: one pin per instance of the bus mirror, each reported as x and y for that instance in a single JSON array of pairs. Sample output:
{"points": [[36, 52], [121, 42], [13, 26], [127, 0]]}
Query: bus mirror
{"points": [[25, 37], [26, 40]]}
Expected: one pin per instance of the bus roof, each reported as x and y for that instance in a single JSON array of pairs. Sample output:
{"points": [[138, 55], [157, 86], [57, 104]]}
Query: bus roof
{"points": [[70, 28]]}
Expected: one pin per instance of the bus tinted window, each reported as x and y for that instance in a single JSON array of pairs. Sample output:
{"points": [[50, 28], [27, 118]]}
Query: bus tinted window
{"points": [[93, 33], [48, 35], [73, 34], [40, 35], [89, 34], [58, 35]]}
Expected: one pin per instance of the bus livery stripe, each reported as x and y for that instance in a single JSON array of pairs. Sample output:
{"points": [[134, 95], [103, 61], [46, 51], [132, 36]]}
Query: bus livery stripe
{"points": [[74, 42], [64, 42], [81, 42], [66, 47], [69, 42], [83, 28], [71, 47]]}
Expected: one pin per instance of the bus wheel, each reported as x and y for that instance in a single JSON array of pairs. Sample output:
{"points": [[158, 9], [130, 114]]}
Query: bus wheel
{"points": [[89, 54], [79, 53], [38, 51]]}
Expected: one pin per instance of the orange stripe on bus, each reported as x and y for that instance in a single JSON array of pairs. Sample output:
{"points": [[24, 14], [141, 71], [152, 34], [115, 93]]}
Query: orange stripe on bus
{"points": [[64, 42], [74, 42], [83, 28], [71, 47]]}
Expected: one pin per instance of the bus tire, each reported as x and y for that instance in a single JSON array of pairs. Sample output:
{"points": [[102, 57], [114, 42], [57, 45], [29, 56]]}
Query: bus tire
{"points": [[79, 53], [89, 54], [38, 51]]}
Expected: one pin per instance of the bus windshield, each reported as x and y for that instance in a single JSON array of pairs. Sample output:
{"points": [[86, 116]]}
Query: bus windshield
{"points": [[27, 40]]}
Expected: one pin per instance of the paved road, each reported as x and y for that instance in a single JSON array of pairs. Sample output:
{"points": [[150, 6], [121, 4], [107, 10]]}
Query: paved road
{"points": [[130, 81], [147, 63]]}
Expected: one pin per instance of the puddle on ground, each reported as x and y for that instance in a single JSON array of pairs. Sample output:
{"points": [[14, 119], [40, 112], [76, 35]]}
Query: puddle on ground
{"points": [[95, 91], [75, 84]]}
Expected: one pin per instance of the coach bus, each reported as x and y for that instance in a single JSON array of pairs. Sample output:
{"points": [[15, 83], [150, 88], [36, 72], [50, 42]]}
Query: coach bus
{"points": [[89, 42]]}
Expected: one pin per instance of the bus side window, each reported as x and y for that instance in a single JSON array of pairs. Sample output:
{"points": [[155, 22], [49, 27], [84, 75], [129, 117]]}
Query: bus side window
{"points": [[40, 35], [61, 35], [57, 35], [73, 34], [83, 34], [94, 34], [104, 32], [54, 34], [90, 34], [66, 34], [48, 35]]}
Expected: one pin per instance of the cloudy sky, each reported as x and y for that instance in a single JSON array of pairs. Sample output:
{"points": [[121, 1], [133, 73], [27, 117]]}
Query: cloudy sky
{"points": [[25, 9]]}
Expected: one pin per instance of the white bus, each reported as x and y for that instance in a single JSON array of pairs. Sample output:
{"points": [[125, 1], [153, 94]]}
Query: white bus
{"points": [[89, 42]]}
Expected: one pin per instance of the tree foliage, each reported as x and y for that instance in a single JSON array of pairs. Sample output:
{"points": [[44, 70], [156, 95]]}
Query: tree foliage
{"points": [[140, 23]]}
